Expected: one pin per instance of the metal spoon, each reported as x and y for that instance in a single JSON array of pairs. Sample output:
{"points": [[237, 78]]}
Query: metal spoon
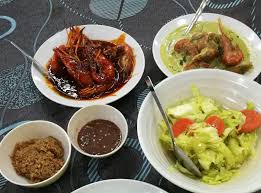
{"points": [[191, 24], [179, 153], [196, 16], [63, 85]]}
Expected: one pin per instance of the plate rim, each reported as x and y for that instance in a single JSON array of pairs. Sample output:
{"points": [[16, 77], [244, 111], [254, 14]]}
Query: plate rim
{"points": [[70, 102], [108, 181], [159, 61]]}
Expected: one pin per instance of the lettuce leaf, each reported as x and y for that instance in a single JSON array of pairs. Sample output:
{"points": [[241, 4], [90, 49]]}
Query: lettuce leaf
{"points": [[197, 108], [218, 157]]}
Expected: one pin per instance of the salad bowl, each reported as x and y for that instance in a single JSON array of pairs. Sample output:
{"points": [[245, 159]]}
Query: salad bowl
{"points": [[228, 89]]}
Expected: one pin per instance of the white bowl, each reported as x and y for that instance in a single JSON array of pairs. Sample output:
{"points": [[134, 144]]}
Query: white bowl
{"points": [[98, 32], [229, 89], [86, 114], [27, 131], [250, 38]]}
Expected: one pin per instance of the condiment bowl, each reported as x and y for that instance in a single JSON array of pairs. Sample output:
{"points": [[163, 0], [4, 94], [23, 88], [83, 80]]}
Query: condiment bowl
{"points": [[25, 132], [90, 113], [228, 89]]}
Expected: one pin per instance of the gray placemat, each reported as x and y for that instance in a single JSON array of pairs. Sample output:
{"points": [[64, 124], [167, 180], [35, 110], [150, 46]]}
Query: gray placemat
{"points": [[33, 21]]}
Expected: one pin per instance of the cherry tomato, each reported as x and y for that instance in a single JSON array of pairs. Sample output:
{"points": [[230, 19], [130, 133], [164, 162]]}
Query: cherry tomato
{"points": [[181, 125], [216, 122], [253, 121]]}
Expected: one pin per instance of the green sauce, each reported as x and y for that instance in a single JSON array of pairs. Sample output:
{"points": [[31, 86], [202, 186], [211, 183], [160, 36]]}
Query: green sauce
{"points": [[173, 60]]}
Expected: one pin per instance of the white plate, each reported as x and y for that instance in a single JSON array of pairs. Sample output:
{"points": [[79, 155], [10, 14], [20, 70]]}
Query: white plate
{"points": [[119, 186], [251, 39], [99, 32]]}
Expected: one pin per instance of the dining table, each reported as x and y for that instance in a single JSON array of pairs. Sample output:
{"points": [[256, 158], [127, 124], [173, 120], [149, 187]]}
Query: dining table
{"points": [[29, 23]]}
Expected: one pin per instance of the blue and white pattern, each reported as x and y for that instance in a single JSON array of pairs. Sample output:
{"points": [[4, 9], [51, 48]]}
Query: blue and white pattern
{"points": [[227, 5], [141, 97], [19, 88], [132, 7], [76, 12], [26, 94], [253, 20], [94, 176], [3, 2], [146, 167], [106, 9], [12, 25], [117, 9], [2, 181], [92, 172]]}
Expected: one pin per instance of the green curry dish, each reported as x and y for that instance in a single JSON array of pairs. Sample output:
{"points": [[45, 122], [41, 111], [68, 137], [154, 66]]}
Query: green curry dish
{"points": [[218, 157], [204, 47]]}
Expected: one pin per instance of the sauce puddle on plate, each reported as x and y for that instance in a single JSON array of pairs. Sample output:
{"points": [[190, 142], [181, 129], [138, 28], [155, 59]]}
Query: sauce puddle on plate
{"points": [[99, 137]]}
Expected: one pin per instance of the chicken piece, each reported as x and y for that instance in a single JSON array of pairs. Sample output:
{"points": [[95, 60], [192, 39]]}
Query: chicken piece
{"points": [[204, 39], [206, 55], [186, 47]]}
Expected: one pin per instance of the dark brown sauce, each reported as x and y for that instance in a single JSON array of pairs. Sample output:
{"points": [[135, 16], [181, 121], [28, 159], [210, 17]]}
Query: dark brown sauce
{"points": [[54, 88], [99, 137]]}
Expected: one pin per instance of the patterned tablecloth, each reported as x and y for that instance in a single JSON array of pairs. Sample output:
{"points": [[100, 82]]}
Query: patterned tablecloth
{"points": [[30, 22]]}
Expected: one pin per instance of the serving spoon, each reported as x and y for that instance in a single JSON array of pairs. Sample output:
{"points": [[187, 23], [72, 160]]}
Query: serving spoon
{"points": [[191, 24], [62, 85], [196, 16], [178, 152]]}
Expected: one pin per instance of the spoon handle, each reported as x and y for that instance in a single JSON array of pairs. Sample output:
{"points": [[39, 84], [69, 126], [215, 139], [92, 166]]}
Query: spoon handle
{"points": [[36, 64], [179, 153], [62, 85], [152, 90], [196, 16]]}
